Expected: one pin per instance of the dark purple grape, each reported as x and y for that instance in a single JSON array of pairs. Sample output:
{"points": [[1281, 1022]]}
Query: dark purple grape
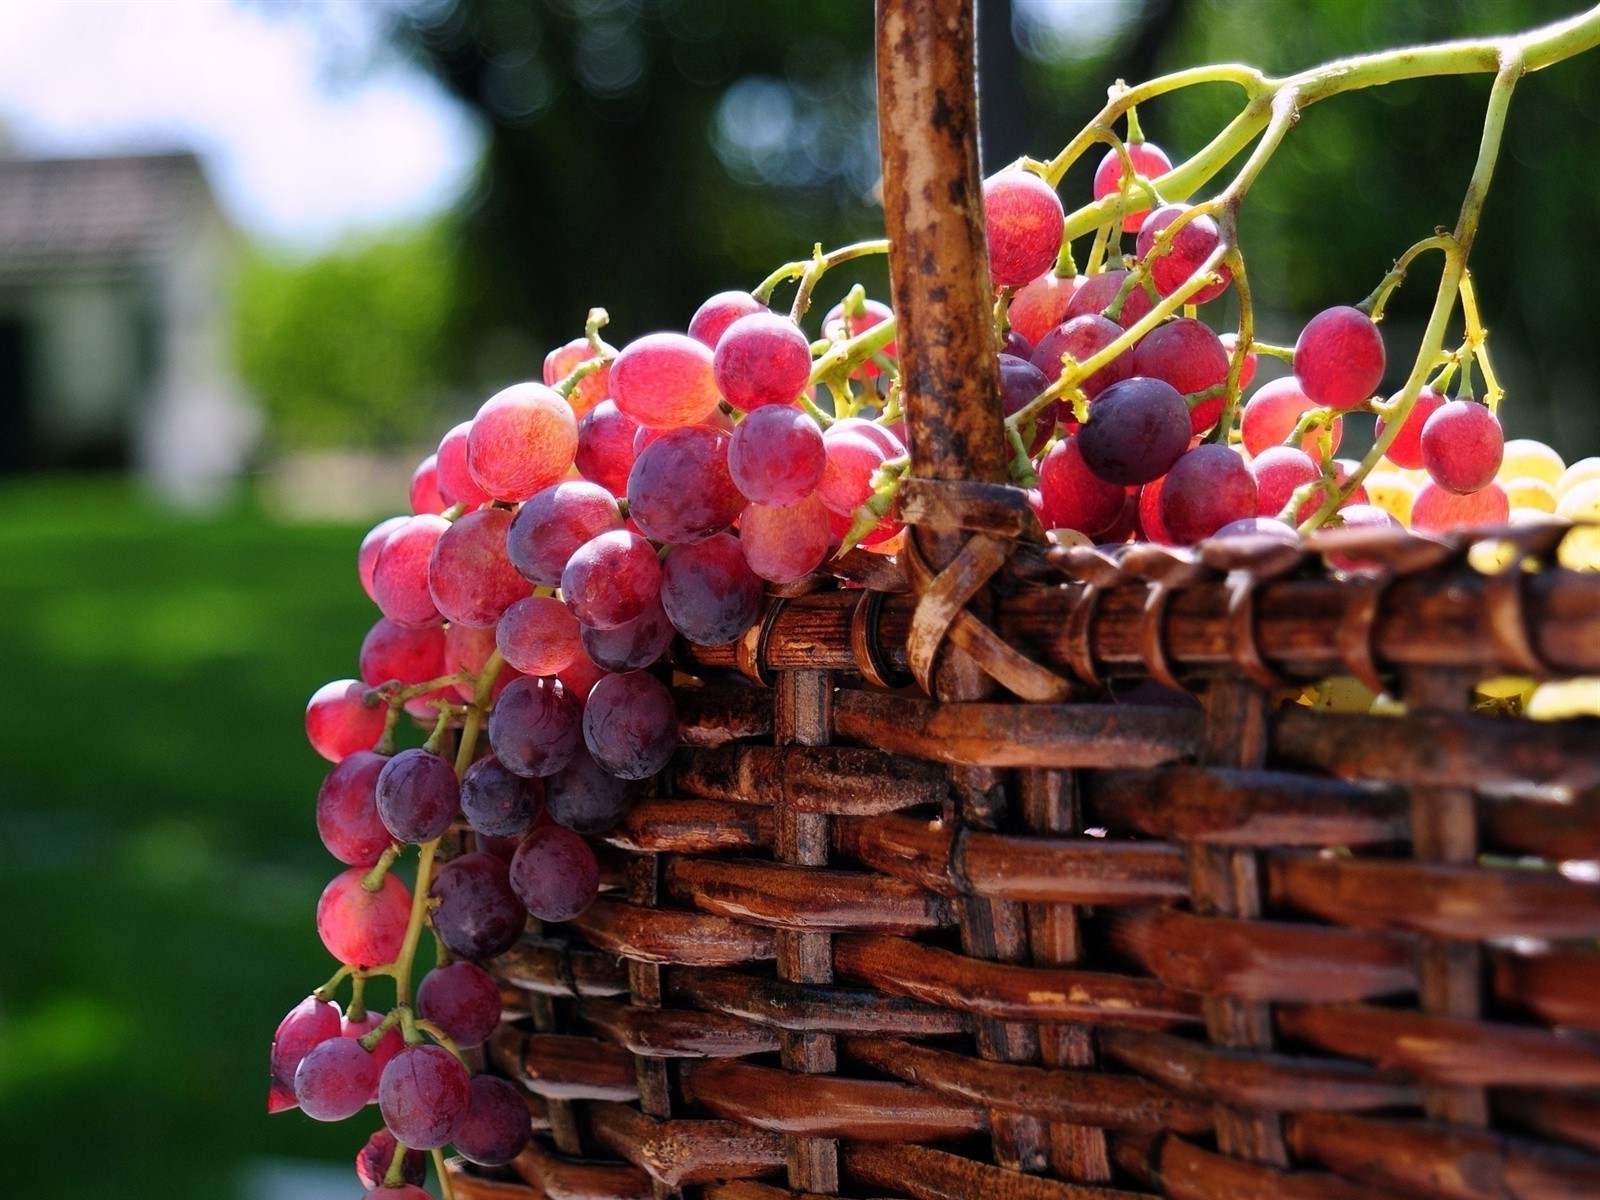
{"points": [[347, 810], [631, 646], [496, 1128], [477, 916], [1016, 345], [679, 490], [709, 592], [417, 796], [585, 798], [554, 873], [554, 523], [372, 1163], [631, 724], [1020, 384], [498, 802], [335, 1080], [462, 999], [533, 728], [423, 1096], [1135, 432]]}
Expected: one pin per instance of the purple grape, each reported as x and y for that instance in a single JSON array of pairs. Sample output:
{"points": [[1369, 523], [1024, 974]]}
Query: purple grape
{"points": [[478, 915], [1135, 432], [679, 490], [777, 455], [611, 579], [554, 523], [1020, 384], [554, 873], [585, 798], [462, 999], [533, 728], [423, 1096], [631, 646], [335, 1080], [709, 592], [631, 724], [496, 1128], [498, 802], [417, 796], [306, 1026], [605, 447]]}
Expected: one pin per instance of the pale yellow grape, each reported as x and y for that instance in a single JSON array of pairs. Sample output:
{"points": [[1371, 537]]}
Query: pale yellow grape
{"points": [[1504, 687], [1524, 456], [1525, 491], [1585, 470], [1529, 516], [1068, 537], [1490, 558], [1392, 492], [1567, 698], [1580, 550], [1580, 502]]}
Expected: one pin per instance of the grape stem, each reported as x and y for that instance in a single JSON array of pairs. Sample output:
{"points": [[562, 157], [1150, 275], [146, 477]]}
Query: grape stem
{"points": [[810, 270], [330, 989], [446, 1188], [373, 880]]}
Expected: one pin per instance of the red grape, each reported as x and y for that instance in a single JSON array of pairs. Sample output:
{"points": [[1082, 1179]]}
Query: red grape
{"points": [[709, 592], [1135, 432], [679, 490], [1098, 292], [1190, 248], [1083, 337], [1438, 510], [1150, 514], [335, 1080], [1020, 384], [417, 796], [852, 459], [788, 542], [467, 649], [1206, 489], [1406, 449], [762, 359], [372, 1165], [496, 1127], [1462, 446], [611, 579], [462, 999], [591, 389], [498, 802], [631, 724], [456, 484], [1073, 496], [713, 317], [1185, 353], [1247, 373], [1361, 516], [339, 722], [1125, 526], [367, 556], [1148, 159], [890, 441], [776, 455], [1040, 306], [394, 652], [632, 645], [554, 523], [1272, 413], [665, 380], [874, 312], [523, 439], [534, 726], [878, 536], [477, 915], [347, 810], [1279, 470], [585, 798], [1339, 357], [554, 873], [470, 574], [305, 1026], [423, 1096], [388, 1045], [580, 677], [425, 487], [605, 446], [1024, 219], [1343, 468], [538, 635], [400, 575], [362, 928]]}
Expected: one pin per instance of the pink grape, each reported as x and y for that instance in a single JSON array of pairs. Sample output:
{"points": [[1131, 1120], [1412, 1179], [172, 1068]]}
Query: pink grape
{"points": [[762, 359], [456, 484], [347, 810], [1148, 160], [1406, 449], [388, 1045], [1073, 496], [709, 592], [470, 574], [611, 579], [580, 677], [1339, 357], [495, 1128], [605, 447], [523, 439], [305, 1026], [874, 312], [393, 652], [423, 1096], [630, 646], [1150, 514], [680, 491], [852, 458], [467, 649], [335, 1080], [665, 380], [1207, 488], [538, 635], [362, 928], [372, 1165], [1247, 373], [713, 317], [1135, 432], [554, 874], [1040, 306], [717, 422], [1098, 292], [1439, 510], [890, 441], [585, 798], [1024, 219], [477, 915], [1185, 353], [554, 523], [534, 727], [417, 796], [1020, 384], [1187, 253], [367, 556], [1361, 516], [591, 389], [498, 802], [425, 487], [1279, 470], [1272, 413], [777, 455], [1083, 338], [631, 724], [462, 999], [338, 721], [1462, 446], [786, 542], [400, 575]]}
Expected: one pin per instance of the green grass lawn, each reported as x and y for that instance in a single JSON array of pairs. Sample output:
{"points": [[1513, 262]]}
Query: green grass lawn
{"points": [[160, 864]]}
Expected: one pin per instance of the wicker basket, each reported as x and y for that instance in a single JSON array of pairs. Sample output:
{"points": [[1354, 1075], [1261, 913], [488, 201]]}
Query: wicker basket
{"points": [[1019, 942]]}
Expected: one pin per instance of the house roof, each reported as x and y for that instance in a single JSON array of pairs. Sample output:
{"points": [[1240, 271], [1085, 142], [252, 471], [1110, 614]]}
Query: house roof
{"points": [[95, 212]]}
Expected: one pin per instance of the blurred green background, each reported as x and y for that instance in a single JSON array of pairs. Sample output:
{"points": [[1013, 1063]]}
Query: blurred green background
{"points": [[160, 861]]}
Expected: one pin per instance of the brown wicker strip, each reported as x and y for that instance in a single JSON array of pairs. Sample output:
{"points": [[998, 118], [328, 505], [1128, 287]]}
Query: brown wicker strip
{"points": [[813, 1008], [1559, 987]]}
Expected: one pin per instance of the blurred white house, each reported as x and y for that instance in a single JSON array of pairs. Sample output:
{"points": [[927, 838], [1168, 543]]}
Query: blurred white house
{"points": [[114, 350]]}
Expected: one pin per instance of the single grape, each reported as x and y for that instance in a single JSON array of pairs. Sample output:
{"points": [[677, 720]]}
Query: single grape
{"points": [[425, 496], [417, 796], [1185, 353], [467, 649], [1526, 457], [1191, 246], [1439, 510], [554, 523], [1361, 516], [762, 359], [462, 999], [554, 873], [388, 1045], [1247, 373], [372, 1163], [1206, 489], [591, 389], [1272, 413], [499, 802], [423, 1096], [777, 455], [477, 915], [784, 543], [400, 575], [1279, 470], [339, 722], [611, 579], [1039, 306], [1150, 525], [605, 447], [631, 724], [709, 592], [409, 656], [1148, 159], [1125, 527], [367, 556], [1527, 492], [1024, 219], [665, 380], [305, 1026], [1462, 446], [679, 490], [522, 440], [335, 1080], [1260, 527], [1073, 496], [534, 727], [538, 635], [496, 1128], [713, 317], [1017, 346], [585, 798], [890, 440], [362, 928], [632, 645], [837, 325], [1099, 292], [1339, 357], [1393, 493], [1406, 449], [1020, 384], [456, 484], [1135, 432], [852, 458], [347, 810], [470, 575], [1083, 337]]}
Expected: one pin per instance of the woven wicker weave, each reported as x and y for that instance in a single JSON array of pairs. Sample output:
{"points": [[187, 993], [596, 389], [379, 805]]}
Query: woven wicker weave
{"points": [[872, 943]]}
